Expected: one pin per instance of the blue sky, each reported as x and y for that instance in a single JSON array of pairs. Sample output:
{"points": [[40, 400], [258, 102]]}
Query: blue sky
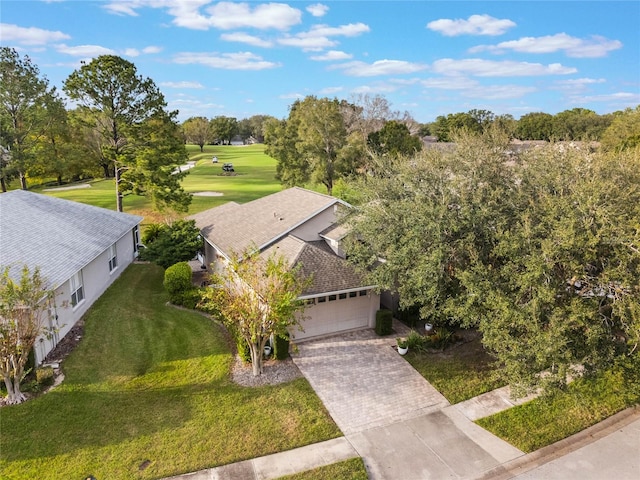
{"points": [[428, 58]]}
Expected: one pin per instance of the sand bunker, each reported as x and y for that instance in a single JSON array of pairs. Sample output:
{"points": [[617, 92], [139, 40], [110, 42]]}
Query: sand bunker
{"points": [[208, 194], [73, 187]]}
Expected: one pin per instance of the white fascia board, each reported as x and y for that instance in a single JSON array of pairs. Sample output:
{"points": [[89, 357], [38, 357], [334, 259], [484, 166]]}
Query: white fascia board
{"points": [[336, 292]]}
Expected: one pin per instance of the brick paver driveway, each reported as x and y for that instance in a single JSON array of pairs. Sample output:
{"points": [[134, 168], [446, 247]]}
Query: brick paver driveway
{"points": [[364, 382]]}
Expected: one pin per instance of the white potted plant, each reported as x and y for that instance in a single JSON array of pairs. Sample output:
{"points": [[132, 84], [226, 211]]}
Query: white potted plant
{"points": [[403, 348]]}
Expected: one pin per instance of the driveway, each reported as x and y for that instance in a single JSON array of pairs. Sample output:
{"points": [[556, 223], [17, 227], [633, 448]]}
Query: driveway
{"points": [[398, 423]]}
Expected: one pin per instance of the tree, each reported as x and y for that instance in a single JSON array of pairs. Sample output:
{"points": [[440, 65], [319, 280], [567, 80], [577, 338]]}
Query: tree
{"points": [[541, 252], [24, 96], [579, 124], [624, 131], [167, 244], [564, 290], [224, 128], [257, 298], [119, 105], [197, 131], [393, 139], [429, 217], [535, 126], [24, 306]]}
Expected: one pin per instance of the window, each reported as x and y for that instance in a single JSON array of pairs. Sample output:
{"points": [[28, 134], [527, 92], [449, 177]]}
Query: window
{"points": [[113, 258], [342, 296], [322, 299], [353, 294], [363, 293], [77, 289], [332, 298], [310, 301]]}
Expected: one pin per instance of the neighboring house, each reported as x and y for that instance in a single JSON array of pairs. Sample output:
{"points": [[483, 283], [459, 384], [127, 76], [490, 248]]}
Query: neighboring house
{"points": [[80, 249], [302, 226]]}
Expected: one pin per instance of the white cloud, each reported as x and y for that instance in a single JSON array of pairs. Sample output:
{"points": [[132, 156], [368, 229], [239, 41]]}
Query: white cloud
{"points": [[84, 50], [380, 67], [474, 25], [318, 10], [291, 96], [196, 85], [577, 84], [449, 83], [29, 35], [246, 38], [593, 47], [498, 92], [229, 15], [488, 68], [131, 52], [225, 61], [151, 49], [619, 97], [222, 15], [332, 55], [331, 90], [318, 37], [374, 89]]}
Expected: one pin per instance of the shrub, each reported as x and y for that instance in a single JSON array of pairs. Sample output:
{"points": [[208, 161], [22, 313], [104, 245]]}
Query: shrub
{"points": [[177, 281], [243, 350], [384, 322], [415, 341], [281, 347], [441, 339], [44, 376], [170, 244]]}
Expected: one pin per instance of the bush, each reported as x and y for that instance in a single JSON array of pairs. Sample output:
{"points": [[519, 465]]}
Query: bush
{"points": [[44, 376], [170, 244], [415, 341], [177, 281], [281, 347], [441, 339], [384, 322], [243, 350]]}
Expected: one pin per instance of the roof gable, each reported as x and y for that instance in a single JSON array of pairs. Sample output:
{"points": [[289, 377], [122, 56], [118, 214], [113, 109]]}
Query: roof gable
{"points": [[59, 236], [261, 222]]}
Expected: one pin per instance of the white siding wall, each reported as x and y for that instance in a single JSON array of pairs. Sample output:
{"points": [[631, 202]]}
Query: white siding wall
{"points": [[96, 279]]}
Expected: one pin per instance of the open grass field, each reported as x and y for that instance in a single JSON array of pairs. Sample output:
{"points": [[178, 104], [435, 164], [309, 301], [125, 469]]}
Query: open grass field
{"points": [[147, 394], [254, 178]]}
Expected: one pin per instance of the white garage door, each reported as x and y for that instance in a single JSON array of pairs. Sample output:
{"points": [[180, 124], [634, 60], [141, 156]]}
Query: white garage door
{"points": [[334, 316]]}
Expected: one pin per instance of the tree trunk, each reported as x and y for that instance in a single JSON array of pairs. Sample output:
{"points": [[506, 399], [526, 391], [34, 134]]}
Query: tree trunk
{"points": [[118, 195], [105, 169], [59, 179], [256, 358], [14, 395], [201, 147], [23, 181], [3, 183]]}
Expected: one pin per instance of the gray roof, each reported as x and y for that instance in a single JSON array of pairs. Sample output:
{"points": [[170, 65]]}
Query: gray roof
{"points": [[328, 271], [59, 236], [233, 227]]}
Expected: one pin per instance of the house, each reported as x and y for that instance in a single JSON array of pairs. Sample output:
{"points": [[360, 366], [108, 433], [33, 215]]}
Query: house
{"points": [[302, 226], [80, 249]]}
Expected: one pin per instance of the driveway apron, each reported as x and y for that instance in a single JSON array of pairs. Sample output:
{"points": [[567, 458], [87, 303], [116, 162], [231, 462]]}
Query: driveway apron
{"points": [[398, 423]]}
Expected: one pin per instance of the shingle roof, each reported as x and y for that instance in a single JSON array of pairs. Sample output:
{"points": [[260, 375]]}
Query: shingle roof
{"points": [[234, 228], [59, 236]]}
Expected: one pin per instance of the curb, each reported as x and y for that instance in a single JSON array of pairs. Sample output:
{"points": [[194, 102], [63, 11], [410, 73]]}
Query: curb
{"points": [[561, 448]]}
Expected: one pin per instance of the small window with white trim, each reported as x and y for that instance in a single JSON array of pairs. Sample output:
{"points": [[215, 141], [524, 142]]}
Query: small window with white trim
{"points": [[332, 298], [322, 299], [353, 294], [342, 296], [362, 293], [113, 258], [76, 287]]}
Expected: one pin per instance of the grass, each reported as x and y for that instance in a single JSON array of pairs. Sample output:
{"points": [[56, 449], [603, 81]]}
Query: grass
{"points": [[255, 178], [147, 394], [459, 373], [548, 419], [352, 469]]}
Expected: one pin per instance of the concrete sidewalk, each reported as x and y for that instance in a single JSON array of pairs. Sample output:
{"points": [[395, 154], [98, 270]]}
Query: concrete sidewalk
{"points": [[279, 464]]}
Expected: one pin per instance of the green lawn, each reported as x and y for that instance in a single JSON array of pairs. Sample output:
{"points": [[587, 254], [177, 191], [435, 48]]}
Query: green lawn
{"points": [[547, 419], [352, 469], [459, 373], [255, 178], [147, 394]]}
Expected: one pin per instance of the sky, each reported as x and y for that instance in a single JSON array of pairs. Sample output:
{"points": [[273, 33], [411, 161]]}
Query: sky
{"points": [[427, 58]]}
